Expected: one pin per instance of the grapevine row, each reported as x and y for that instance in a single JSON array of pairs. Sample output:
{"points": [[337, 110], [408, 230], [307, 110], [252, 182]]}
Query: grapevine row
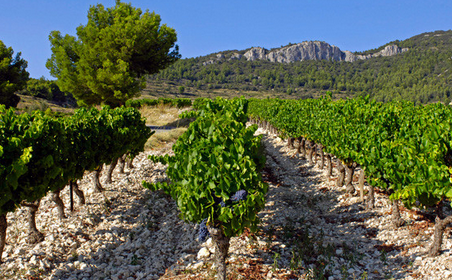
{"points": [[215, 173], [405, 150], [41, 153]]}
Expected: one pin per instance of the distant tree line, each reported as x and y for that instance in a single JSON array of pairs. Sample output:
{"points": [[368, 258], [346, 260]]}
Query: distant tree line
{"points": [[47, 89]]}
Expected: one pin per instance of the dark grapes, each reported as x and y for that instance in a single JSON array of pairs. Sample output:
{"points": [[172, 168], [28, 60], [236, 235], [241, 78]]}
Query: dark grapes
{"points": [[239, 195], [203, 231]]}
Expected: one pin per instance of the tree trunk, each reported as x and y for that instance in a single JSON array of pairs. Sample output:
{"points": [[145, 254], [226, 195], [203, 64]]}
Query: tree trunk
{"points": [[59, 203], [371, 198], [97, 186], [78, 192], [34, 235], [350, 171], [435, 249], [361, 185], [3, 227], [122, 163], [221, 243], [112, 166], [396, 219], [341, 171], [322, 157]]}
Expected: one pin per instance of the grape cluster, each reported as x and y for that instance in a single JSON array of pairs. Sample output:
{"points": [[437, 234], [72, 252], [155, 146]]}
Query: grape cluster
{"points": [[203, 231], [239, 195]]}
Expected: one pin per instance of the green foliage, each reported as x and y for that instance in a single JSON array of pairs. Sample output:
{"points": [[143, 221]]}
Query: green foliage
{"points": [[14, 155], [217, 156], [13, 76], [105, 63], [420, 75]]}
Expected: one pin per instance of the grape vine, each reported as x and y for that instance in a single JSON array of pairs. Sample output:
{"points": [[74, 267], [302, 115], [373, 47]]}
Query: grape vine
{"points": [[217, 161], [41, 153]]}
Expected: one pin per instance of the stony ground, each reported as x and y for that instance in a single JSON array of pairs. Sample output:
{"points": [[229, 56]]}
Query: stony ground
{"points": [[310, 229]]}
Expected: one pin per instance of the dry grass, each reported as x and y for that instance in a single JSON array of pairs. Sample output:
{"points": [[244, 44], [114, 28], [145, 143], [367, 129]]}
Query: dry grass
{"points": [[164, 115], [161, 138], [161, 115], [29, 104]]}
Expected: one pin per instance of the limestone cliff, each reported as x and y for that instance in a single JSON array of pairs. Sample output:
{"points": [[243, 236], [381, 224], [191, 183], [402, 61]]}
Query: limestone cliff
{"points": [[387, 51], [314, 50]]}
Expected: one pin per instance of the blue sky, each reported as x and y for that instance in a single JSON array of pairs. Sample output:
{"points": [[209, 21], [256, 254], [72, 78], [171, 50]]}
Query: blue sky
{"points": [[207, 26]]}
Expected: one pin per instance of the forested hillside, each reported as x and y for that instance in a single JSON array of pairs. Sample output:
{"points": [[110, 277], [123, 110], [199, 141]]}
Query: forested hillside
{"points": [[420, 74]]}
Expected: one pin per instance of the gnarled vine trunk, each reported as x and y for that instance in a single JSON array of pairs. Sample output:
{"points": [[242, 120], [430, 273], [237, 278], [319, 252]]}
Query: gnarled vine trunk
{"points": [[130, 163], [96, 176], [440, 224], [329, 169], [290, 141], [221, 243], [314, 152], [322, 157], [302, 147], [311, 146], [122, 163], [3, 227], [350, 171], [59, 203], [361, 185], [396, 219], [71, 197], [34, 235], [78, 192], [439, 209], [112, 166], [341, 174], [371, 198]]}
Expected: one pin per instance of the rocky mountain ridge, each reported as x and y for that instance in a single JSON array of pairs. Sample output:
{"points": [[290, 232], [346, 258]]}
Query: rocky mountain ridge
{"points": [[308, 50]]}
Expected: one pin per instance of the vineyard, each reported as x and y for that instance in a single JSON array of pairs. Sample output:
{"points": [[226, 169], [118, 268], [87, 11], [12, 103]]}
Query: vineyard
{"points": [[291, 218], [404, 150], [41, 154]]}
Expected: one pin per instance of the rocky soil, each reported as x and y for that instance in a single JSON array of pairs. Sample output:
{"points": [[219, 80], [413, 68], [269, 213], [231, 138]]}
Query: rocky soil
{"points": [[309, 229]]}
